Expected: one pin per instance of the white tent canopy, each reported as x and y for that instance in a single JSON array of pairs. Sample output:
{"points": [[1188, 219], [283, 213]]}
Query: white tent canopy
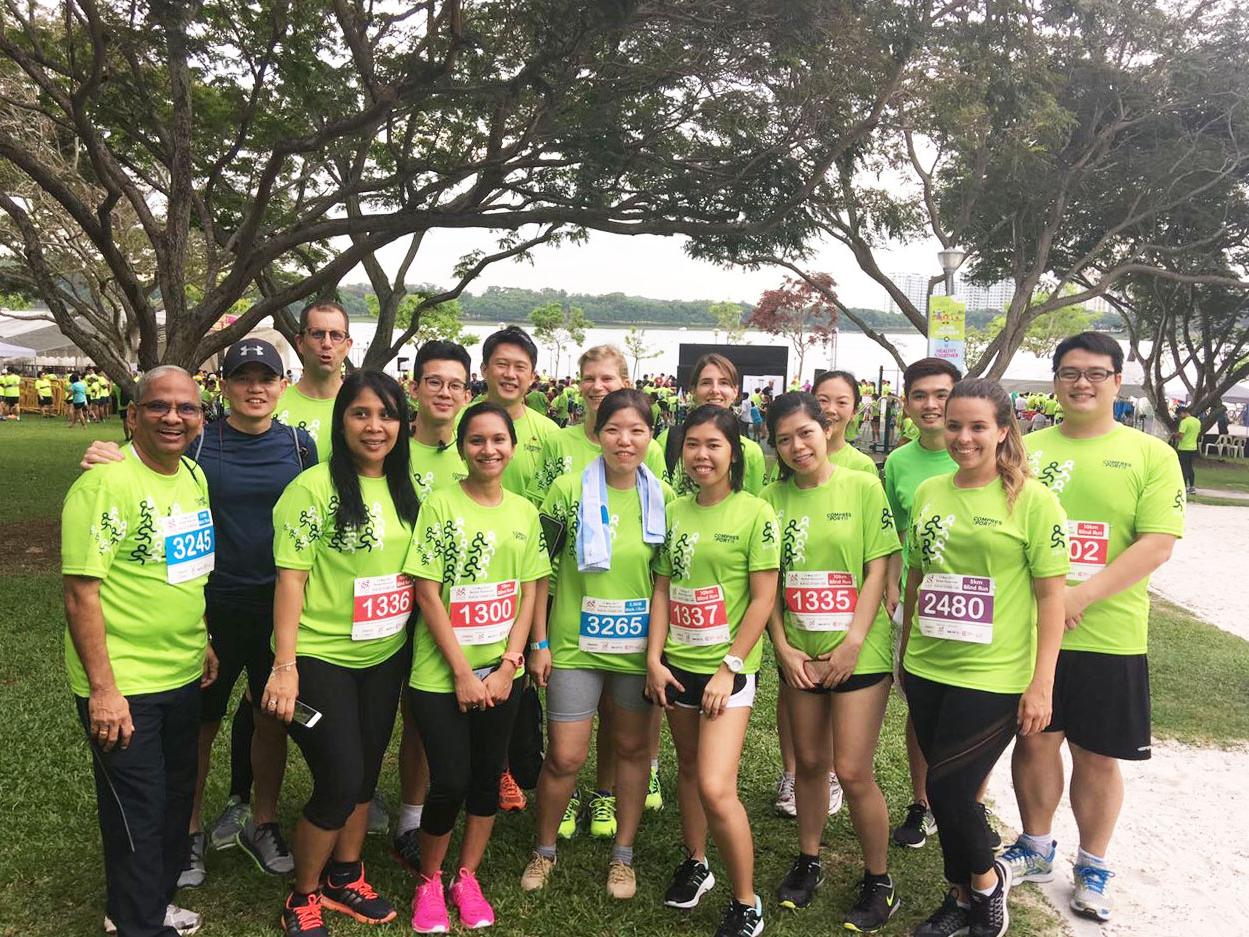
{"points": [[15, 351]]}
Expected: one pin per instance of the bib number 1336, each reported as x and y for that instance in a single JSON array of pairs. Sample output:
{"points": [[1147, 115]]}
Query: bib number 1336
{"points": [[381, 606]]}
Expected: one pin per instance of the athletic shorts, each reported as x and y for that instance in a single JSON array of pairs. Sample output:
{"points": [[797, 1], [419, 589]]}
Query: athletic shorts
{"points": [[241, 628], [743, 696], [80, 406], [45, 401], [856, 681], [573, 694], [1101, 702]]}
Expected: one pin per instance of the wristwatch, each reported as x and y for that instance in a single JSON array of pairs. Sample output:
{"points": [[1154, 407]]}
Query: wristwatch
{"points": [[516, 660], [734, 664]]}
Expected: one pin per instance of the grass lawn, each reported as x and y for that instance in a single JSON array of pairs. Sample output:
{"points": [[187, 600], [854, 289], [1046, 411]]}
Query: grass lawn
{"points": [[51, 881], [1225, 474]]}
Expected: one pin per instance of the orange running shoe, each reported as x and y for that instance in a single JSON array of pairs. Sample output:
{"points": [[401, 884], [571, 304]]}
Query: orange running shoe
{"points": [[511, 797]]}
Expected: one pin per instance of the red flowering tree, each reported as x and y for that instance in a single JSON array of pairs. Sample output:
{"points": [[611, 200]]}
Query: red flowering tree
{"points": [[804, 311]]}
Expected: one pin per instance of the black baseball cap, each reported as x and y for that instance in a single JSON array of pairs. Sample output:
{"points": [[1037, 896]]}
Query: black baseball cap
{"points": [[251, 350]]}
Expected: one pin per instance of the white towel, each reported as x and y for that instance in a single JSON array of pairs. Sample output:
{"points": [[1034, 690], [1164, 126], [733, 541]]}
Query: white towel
{"points": [[594, 520]]}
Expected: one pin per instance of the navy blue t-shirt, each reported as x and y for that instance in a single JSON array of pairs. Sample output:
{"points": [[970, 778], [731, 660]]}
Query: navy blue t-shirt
{"points": [[246, 475]]}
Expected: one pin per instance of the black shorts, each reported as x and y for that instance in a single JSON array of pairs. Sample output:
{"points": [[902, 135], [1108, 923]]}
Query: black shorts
{"points": [[241, 627], [80, 406], [743, 695], [856, 681], [1101, 702], [45, 401]]}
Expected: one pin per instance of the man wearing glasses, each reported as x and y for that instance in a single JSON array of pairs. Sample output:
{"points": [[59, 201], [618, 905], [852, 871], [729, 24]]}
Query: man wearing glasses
{"points": [[1124, 499], [137, 546], [323, 342]]}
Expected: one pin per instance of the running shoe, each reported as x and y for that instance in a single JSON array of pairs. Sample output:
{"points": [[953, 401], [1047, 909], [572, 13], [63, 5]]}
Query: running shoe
{"points": [[950, 920], [301, 916], [878, 902], [797, 889], [379, 816], [602, 810], [224, 830], [1027, 865], [429, 906], [914, 831], [568, 825], [183, 920], [264, 843], [196, 871], [622, 883], [470, 903], [537, 873], [511, 797], [406, 848], [995, 838], [690, 882], [741, 920], [989, 916], [785, 803], [835, 796], [654, 793], [1091, 897], [357, 900]]}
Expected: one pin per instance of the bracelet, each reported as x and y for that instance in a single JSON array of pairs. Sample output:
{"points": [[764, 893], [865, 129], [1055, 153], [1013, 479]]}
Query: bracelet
{"points": [[278, 668], [542, 645]]}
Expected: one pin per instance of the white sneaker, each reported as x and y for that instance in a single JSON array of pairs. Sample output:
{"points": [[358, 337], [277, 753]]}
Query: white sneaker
{"points": [[183, 920], [785, 803], [835, 796]]}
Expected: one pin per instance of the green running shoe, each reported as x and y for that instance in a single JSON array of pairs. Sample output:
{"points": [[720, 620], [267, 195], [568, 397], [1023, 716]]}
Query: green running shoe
{"points": [[654, 793], [602, 810], [568, 825]]}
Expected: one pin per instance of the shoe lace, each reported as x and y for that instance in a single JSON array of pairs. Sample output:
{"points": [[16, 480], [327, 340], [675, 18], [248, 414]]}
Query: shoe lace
{"points": [[950, 911], [467, 882], [1094, 878], [508, 786], [737, 917], [618, 872], [866, 891], [652, 785], [915, 814], [361, 887], [785, 789], [603, 809], [308, 915]]}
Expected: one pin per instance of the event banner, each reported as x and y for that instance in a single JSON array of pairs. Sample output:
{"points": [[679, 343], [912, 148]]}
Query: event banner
{"points": [[947, 322]]}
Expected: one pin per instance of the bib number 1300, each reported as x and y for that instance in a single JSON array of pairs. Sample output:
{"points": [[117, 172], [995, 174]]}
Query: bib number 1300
{"points": [[483, 612]]}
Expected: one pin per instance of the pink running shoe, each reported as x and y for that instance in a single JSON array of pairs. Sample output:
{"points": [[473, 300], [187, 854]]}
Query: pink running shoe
{"points": [[473, 908], [429, 906]]}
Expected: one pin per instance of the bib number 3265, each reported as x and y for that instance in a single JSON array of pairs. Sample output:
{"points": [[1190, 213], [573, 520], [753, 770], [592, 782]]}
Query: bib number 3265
{"points": [[956, 608], [698, 616], [381, 606], [483, 612], [190, 545], [613, 626]]}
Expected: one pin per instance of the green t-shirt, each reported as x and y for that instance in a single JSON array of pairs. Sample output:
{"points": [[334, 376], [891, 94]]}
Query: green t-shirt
{"points": [[753, 478], [709, 554], [851, 458], [311, 414], [481, 555], [828, 534], [1050, 406], [43, 387], [600, 620], [1189, 429], [567, 452], [355, 603], [121, 523], [536, 400], [975, 624], [434, 468], [905, 468], [1114, 488], [12, 384]]}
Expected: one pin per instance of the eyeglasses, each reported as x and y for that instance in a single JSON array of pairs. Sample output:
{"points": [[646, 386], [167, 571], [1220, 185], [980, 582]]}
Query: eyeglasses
{"points": [[319, 335], [435, 383], [1092, 375], [162, 407]]}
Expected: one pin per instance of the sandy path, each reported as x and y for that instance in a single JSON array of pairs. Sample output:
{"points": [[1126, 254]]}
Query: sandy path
{"points": [[1180, 856]]}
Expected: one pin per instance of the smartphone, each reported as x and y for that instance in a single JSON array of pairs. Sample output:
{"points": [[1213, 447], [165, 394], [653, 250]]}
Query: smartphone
{"points": [[305, 715]]}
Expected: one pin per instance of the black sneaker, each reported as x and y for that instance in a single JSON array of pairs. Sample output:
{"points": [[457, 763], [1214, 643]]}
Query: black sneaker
{"points": [[406, 848], [690, 882], [741, 920], [989, 917], [356, 899], [301, 916], [264, 843], [916, 828], [877, 903], [797, 888], [949, 920], [995, 838]]}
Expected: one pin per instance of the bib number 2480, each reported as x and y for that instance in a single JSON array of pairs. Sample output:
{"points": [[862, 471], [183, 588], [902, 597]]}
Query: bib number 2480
{"points": [[956, 608]]}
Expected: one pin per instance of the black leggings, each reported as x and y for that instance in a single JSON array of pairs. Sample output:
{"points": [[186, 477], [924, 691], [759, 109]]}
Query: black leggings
{"points": [[962, 734], [344, 749], [466, 753], [1186, 468]]}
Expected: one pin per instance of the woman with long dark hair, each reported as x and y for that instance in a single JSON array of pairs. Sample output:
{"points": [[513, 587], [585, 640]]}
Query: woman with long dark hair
{"points": [[982, 625], [341, 535]]}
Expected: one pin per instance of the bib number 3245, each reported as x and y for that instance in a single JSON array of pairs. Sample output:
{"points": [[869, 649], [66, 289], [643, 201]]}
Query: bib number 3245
{"points": [[956, 608], [190, 545]]}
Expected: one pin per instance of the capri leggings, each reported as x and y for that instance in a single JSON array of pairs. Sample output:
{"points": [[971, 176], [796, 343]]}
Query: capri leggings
{"points": [[466, 752], [962, 734], [344, 749]]}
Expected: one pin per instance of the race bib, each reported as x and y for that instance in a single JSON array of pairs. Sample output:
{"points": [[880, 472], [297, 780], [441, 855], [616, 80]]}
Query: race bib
{"points": [[698, 616], [956, 608], [1088, 543], [381, 607], [821, 601], [614, 626], [483, 612], [190, 545]]}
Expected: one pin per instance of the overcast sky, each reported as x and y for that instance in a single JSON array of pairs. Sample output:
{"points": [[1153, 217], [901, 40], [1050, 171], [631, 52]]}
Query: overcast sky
{"points": [[643, 265]]}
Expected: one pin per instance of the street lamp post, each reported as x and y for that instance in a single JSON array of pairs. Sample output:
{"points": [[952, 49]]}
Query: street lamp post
{"points": [[950, 259]]}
